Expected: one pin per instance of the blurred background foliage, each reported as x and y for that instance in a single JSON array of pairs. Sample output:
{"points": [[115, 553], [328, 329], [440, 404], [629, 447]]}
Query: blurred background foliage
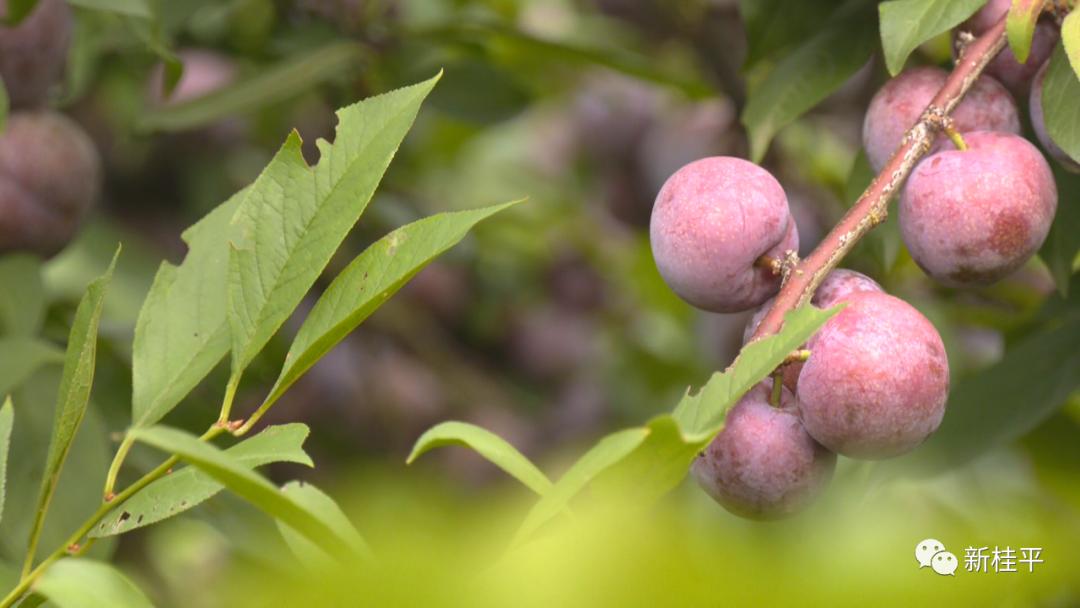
{"points": [[550, 325]]}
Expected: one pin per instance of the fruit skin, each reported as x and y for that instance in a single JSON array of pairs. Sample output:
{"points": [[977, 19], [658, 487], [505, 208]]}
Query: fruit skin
{"points": [[899, 104], [1038, 123], [973, 217], [32, 54], [877, 379], [1016, 76], [763, 465], [50, 175], [711, 221]]}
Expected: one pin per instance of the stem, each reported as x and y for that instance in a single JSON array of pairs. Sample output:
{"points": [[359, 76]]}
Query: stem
{"points": [[114, 468], [777, 387], [872, 207], [227, 401], [957, 139]]}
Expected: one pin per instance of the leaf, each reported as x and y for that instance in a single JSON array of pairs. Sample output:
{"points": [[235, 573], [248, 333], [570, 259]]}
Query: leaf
{"points": [[1061, 89], [21, 357], [375, 275], [605, 454], [701, 415], [1070, 38], [7, 417], [293, 217], [245, 483], [907, 24], [655, 468], [1020, 26], [774, 25], [489, 445], [189, 487], [22, 310], [74, 394], [807, 75], [5, 106], [316, 501], [17, 10], [1063, 243], [131, 8], [269, 85], [183, 329], [84, 583]]}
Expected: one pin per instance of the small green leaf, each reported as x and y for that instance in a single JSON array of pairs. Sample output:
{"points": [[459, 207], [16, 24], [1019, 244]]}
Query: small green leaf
{"points": [[74, 393], [316, 501], [183, 329], [1061, 89], [84, 583], [189, 487], [606, 453], [1020, 26], [701, 415], [1062, 244], [489, 445], [245, 483], [17, 10], [269, 85], [1070, 38], [906, 24], [7, 418], [294, 217], [808, 74], [22, 310], [130, 8], [21, 357], [366, 283]]}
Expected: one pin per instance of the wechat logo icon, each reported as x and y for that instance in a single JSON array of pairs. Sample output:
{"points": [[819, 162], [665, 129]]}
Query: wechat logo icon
{"points": [[932, 553]]}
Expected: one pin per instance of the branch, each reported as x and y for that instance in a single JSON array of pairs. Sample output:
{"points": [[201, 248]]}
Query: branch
{"points": [[873, 206]]}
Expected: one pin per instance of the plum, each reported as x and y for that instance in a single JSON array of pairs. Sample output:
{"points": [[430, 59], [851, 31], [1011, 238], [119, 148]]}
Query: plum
{"points": [[32, 54], [1016, 76], [972, 217], [877, 379], [712, 220]]}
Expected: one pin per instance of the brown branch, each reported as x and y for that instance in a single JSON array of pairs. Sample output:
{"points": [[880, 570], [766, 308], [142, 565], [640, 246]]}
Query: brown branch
{"points": [[873, 206]]}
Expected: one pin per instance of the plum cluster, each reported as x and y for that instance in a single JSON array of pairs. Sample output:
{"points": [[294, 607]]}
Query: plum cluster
{"points": [[876, 379], [50, 171]]}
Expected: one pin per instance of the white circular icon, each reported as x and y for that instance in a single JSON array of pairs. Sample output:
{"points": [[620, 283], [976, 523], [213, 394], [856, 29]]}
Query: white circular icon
{"points": [[924, 551]]}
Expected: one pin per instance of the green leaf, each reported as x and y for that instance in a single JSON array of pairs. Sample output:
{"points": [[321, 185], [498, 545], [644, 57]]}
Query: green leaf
{"points": [[489, 445], [1020, 26], [294, 217], [74, 394], [7, 417], [22, 310], [807, 75], [605, 454], [16, 11], [1062, 245], [269, 85], [655, 468], [1061, 89], [316, 501], [906, 24], [183, 328], [701, 415], [1070, 38], [375, 275], [245, 483], [189, 487], [21, 357], [5, 106], [84, 583], [774, 25], [130, 8]]}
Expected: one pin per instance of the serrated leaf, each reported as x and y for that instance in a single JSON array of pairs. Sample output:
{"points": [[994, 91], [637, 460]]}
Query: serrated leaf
{"points": [[906, 24], [606, 453], [74, 393], [84, 583], [130, 8], [293, 218], [1020, 26], [245, 483], [316, 501], [808, 74], [183, 329], [366, 283], [22, 309], [270, 85], [7, 418], [701, 415], [189, 487], [489, 445], [1061, 89], [1070, 38], [21, 357]]}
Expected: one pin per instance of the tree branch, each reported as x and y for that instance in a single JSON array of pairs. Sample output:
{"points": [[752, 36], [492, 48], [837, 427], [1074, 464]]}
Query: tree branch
{"points": [[873, 206]]}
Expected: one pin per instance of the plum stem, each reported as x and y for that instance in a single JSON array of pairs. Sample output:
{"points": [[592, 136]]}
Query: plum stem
{"points": [[771, 264], [954, 135], [777, 388]]}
